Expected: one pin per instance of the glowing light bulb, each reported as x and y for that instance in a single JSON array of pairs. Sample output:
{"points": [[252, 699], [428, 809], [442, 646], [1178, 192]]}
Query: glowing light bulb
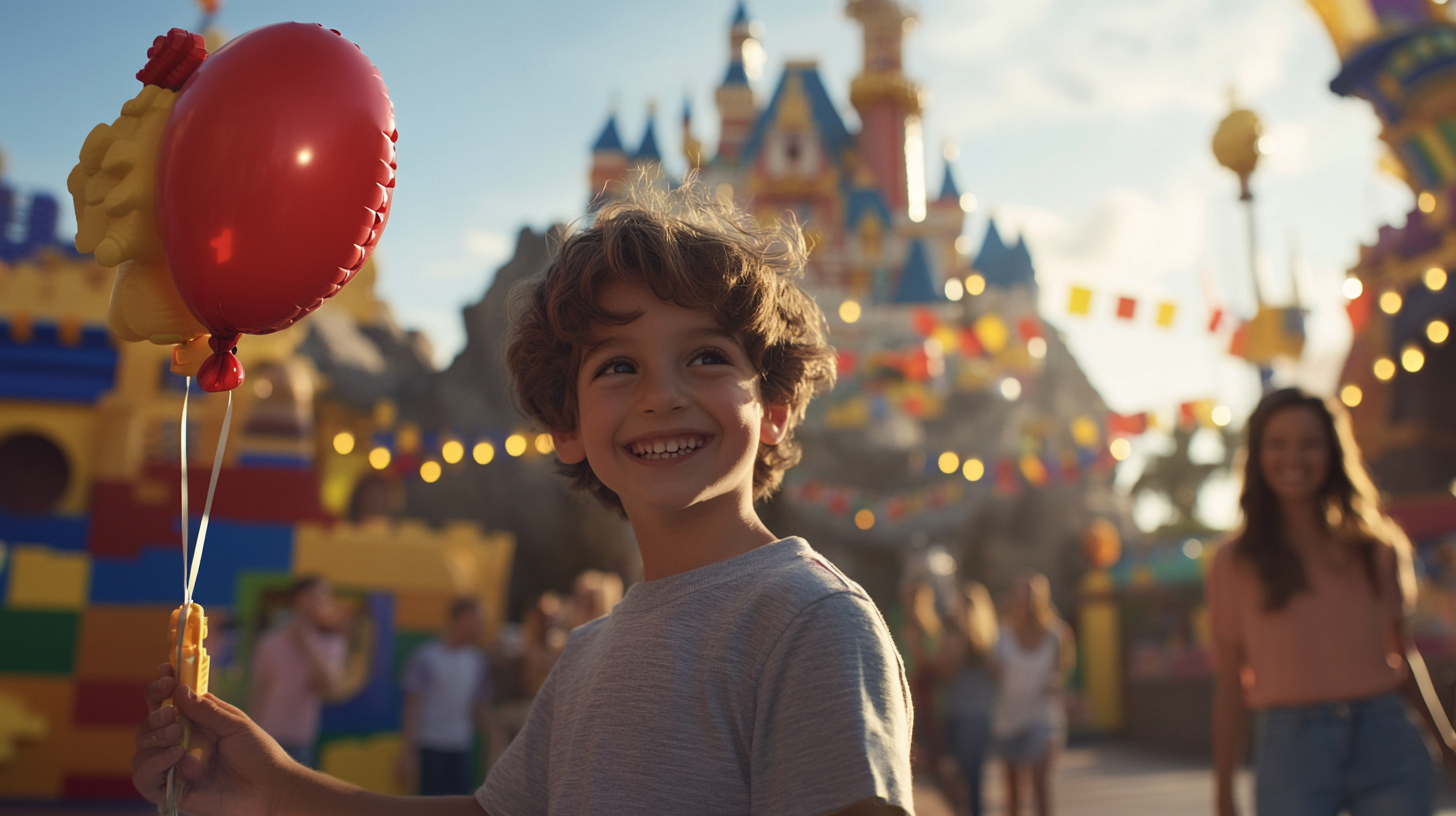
{"points": [[379, 458], [430, 471], [864, 519], [343, 443], [544, 444], [975, 283], [1435, 278], [1011, 389], [954, 289], [849, 311], [973, 470], [515, 444], [1390, 302], [1351, 395], [949, 462], [1426, 202], [1352, 288], [1384, 369], [452, 451], [1412, 358], [1221, 415], [1120, 449], [1437, 331], [483, 452], [1036, 347]]}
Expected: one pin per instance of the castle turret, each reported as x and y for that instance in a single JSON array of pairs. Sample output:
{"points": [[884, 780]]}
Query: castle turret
{"points": [[945, 218], [647, 152], [890, 140], [609, 163], [692, 148], [736, 107]]}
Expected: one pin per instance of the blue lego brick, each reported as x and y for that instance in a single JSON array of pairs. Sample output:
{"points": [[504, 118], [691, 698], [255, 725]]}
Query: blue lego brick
{"points": [[56, 532], [156, 575], [44, 369], [237, 546], [274, 460], [377, 707]]}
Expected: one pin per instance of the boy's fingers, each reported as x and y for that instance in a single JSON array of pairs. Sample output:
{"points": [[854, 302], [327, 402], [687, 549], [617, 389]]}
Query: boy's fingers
{"points": [[160, 689], [210, 713], [147, 765], [161, 738], [192, 766]]}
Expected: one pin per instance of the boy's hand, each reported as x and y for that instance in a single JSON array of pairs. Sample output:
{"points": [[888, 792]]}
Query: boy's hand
{"points": [[231, 765]]}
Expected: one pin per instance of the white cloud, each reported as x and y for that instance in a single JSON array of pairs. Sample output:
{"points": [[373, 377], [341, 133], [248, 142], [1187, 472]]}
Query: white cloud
{"points": [[1047, 60]]}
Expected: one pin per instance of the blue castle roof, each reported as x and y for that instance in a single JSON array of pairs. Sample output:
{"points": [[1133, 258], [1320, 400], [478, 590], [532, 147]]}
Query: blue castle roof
{"points": [[865, 201], [37, 233], [609, 141], [1003, 265], [648, 150], [737, 74], [832, 132], [948, 188], [740, 15], [917, 285]]}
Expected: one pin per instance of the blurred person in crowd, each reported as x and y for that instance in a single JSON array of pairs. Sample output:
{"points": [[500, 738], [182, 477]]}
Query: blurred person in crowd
{"points": [[971, 693], [1307, 607], [593, 595], [1034, 652], [544, 629], [447, 698], [924, 637], [297, 666]]}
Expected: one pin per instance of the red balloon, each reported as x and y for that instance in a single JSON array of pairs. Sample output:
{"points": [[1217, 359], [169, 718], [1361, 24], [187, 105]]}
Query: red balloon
{"points": [[274, 180]]}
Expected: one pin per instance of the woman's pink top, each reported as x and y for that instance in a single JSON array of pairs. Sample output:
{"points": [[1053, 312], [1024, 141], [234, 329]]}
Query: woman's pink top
{"points": [[1335, 641]]}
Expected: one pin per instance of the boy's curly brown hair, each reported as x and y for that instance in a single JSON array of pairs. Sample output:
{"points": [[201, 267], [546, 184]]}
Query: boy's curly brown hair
{"points": [[694, 250]]}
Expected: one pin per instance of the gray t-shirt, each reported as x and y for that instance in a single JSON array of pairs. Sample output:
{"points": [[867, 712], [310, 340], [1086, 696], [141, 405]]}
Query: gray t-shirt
{"points": [[763, 684]]}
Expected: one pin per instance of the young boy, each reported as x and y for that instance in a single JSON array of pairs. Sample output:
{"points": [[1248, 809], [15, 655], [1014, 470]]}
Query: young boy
{"points": [[671, 355]]}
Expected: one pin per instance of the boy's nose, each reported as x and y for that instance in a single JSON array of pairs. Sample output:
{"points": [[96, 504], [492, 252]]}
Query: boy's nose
{"points": [[661, 394]]}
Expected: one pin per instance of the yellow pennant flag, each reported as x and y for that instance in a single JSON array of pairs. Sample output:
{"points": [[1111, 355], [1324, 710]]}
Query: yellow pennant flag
{"points": [[1080, 302], [1166, 312]]}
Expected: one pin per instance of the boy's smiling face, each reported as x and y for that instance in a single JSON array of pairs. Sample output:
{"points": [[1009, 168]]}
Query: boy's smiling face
{"points": [[669, 409]]}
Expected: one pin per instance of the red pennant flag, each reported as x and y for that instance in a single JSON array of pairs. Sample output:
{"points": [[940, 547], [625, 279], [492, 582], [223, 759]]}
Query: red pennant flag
{"points": [[1126, 307], [1126, 424], [1029, 327], [1214, 320]]}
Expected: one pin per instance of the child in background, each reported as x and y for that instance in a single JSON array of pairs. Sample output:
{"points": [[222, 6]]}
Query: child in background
{"points": [[671, 356], [298, 666], [971, 693], [447, 697]]}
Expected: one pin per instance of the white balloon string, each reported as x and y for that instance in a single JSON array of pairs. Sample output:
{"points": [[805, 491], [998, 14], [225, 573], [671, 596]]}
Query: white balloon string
{"points": [[186, 392], [227, 421]]}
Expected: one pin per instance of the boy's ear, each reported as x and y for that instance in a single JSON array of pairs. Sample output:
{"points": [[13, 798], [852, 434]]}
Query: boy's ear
{"points": [[774, 424], [568, 446]]}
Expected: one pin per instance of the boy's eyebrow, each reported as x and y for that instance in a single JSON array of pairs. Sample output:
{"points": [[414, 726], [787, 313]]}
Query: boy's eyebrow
{"points": [[606, 343]]}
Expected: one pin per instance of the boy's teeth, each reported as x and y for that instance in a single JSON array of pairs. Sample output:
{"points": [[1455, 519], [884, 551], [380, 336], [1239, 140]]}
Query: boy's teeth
{"points": [[667, 448]]}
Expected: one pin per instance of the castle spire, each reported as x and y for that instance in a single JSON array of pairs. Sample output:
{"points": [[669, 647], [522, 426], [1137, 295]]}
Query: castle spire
{"points": [[890, 139], [737, 109], [609, 163]]}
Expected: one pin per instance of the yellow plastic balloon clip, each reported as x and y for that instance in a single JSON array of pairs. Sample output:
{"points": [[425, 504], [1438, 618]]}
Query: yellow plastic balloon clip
{"points": [[190, 662]]}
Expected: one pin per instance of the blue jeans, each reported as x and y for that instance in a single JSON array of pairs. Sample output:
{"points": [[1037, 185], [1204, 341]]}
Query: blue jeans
{"points": [[968, 737], [444, 773], [1365, 756]]}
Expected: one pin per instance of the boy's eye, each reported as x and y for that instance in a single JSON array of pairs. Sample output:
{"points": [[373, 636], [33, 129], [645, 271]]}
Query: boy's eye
{"points": [[616, 367], [710, 357]]}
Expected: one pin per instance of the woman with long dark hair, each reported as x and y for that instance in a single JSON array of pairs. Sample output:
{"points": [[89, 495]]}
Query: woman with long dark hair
{"points": [[1307, 605], [1033, 655]]}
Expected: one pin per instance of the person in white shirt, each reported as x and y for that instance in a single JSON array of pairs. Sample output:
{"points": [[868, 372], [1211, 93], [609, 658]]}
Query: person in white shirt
{"points": [[447, 697]]}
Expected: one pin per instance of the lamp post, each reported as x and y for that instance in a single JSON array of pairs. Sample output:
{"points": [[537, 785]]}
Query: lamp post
{"points": [[1236, 146]]}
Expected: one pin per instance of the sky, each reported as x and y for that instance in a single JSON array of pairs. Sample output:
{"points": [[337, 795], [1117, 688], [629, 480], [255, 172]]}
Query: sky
{"points": [[1084, 127]]}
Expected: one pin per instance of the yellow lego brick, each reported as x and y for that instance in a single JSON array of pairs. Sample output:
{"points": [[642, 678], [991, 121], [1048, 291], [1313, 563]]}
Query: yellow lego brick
{"points": [[39, 764], [122, 642], [368, 762], [420, 611], [43, 578]]}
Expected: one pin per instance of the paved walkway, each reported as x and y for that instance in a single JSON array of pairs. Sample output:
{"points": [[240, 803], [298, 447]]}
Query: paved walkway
{"points": [[1110, 779]]}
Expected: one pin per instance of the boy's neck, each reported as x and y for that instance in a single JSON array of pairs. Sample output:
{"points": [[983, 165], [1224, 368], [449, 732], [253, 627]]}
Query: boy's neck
{"points": [[706, 533]]}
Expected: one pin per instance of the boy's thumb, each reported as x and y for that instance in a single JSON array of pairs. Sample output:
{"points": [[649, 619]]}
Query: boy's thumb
{"points": [[208, 712]]}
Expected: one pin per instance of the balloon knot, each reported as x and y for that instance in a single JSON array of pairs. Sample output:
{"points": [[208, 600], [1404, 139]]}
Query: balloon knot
{"points": [[172, 59], [221, 371]]}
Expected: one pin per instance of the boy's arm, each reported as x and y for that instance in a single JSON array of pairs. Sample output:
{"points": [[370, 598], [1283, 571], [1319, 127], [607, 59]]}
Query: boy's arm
{"points": [[235, 768], [832, 725]]}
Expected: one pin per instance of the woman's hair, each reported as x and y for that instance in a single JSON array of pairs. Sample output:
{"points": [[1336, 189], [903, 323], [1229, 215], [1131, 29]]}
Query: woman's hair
{"points": [[977, 620], [1348, 498], [1039, 597]]}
